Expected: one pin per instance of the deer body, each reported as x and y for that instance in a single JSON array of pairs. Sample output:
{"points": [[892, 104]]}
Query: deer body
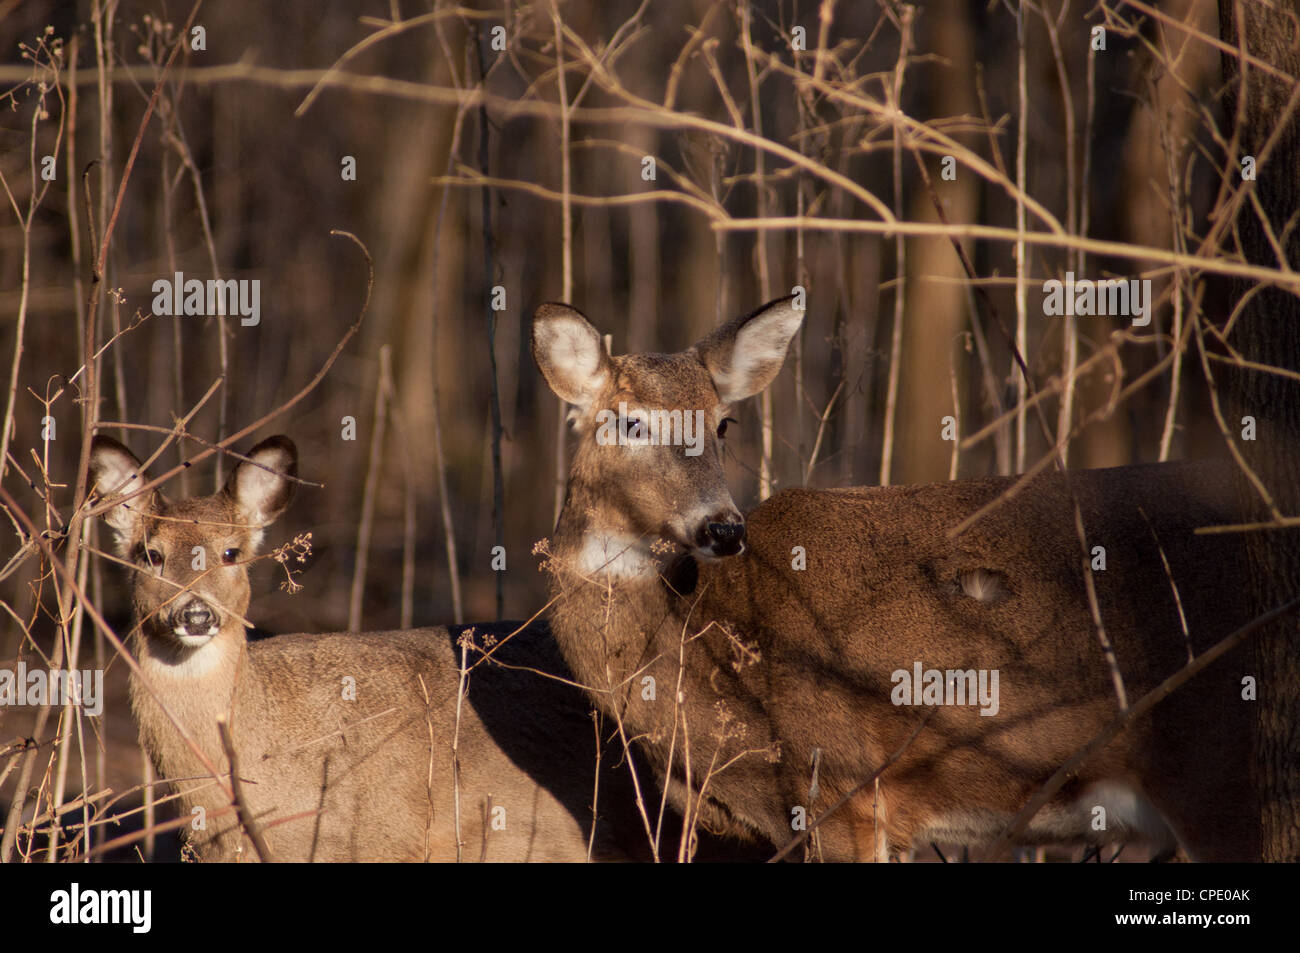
{"points": [[344, 742], [366, 765], [788, 658]]}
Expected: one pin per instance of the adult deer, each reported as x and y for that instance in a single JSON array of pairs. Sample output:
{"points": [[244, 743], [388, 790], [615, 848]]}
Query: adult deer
{"points": [[344, 742], [770, 664]]}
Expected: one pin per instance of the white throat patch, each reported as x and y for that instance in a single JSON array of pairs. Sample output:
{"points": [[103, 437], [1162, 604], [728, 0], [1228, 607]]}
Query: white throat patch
{"points": [[616, 556]]}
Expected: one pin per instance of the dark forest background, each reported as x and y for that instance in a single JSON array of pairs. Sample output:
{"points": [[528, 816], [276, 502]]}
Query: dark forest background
{"points": [[238, 174]]}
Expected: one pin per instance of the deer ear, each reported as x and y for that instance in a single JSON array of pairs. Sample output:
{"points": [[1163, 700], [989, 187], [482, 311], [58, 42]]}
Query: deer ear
{"points": [[115, 472], [262, 486], [569, 353], [745, 355]]}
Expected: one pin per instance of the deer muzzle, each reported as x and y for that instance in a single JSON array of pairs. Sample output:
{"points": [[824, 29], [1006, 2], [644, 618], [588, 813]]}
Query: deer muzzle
{"points": [[194, 622], [722, 538]]}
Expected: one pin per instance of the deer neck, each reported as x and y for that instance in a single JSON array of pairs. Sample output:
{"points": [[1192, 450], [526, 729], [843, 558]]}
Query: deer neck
{"points": [[621, 625], [197, 686], [610, 594], [594, 541]]}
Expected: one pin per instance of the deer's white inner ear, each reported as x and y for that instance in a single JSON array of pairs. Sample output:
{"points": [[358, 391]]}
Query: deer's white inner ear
{"points": [[114, 474], [746, 357], [114, 471], [570, 355], [261, 494]]}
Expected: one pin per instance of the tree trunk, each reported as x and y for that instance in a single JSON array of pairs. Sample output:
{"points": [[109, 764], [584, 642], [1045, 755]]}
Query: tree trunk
{"points": [[1268, 332]]}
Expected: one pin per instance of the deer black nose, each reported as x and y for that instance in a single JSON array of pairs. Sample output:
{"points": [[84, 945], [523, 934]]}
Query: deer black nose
{"points": [[197, 618], [726, 539]]}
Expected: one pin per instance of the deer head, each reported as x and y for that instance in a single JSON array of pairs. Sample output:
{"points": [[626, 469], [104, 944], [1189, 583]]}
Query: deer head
{"points": [[648, 465], [191, 556]]}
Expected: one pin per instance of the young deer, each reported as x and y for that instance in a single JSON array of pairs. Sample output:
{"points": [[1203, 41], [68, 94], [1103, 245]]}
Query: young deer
{"points": [[344, 742], [772, 663]]}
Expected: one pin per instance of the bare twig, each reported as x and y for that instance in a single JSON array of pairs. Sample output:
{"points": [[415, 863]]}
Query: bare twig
{"points": [[383, 387], [246, 821]]}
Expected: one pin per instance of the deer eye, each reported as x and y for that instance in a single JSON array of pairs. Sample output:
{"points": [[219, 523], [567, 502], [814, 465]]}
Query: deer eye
{"points": [[722, 427], [148, 556], [634, 428], [231, 556]]}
